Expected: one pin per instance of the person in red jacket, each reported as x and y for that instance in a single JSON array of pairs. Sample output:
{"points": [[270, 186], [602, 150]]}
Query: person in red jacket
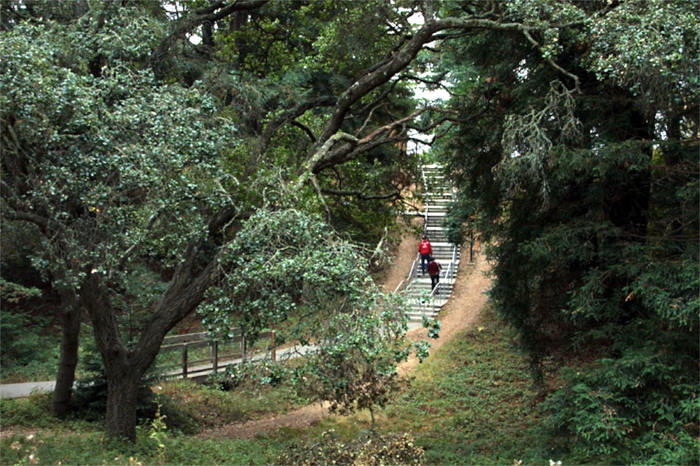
{"points": [[434, 269], [426, 250]]}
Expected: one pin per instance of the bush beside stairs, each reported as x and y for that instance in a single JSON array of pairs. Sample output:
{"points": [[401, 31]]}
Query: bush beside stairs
{"points": [[424, 302]]}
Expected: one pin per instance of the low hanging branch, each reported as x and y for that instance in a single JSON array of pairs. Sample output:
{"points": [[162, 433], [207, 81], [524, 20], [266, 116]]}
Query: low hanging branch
{"points": [[288, 116], [398, 62], [343, 153], [552, 63], [354, 147], [360, 195], [323, 155]]}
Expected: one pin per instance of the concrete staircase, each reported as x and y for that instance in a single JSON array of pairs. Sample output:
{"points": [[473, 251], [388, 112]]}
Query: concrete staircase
{"points": [[416, 287]]}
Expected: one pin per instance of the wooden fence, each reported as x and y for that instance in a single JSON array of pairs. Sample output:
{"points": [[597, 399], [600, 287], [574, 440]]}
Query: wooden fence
{"points": [[220, 354]]}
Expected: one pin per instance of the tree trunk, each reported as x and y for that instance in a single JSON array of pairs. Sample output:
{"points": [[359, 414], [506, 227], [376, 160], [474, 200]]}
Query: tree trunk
{"points": [[122, 401], [125, 367], [122, 378], [70, 337]]}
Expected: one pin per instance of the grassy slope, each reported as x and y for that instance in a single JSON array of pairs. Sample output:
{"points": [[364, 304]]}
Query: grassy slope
{"points": [[471, 403]]}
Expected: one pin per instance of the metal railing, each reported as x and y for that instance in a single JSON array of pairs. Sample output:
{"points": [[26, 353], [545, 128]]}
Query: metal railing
{"points": [[442, 289], [411, 275], [427, 302]]}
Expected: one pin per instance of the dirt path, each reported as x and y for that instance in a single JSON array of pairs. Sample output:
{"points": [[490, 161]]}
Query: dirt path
{"points": [[461, 312]]}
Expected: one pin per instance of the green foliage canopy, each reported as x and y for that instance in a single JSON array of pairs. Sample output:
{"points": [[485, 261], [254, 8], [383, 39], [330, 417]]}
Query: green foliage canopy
{"points": [[108, 165], [581, 174]]}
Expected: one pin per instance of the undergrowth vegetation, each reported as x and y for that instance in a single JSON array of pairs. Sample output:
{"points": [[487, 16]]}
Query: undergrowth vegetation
{"points": [[473, 402]]}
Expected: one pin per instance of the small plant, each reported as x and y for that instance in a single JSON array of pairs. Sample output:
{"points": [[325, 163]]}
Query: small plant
{"points": [[433, 327], [27, 412], [259, 373], [158, 433], [422, 349], [369, 449]]}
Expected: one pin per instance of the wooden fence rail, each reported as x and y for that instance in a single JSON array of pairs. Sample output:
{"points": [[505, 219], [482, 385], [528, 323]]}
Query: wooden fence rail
{"points": [[220, 354]]}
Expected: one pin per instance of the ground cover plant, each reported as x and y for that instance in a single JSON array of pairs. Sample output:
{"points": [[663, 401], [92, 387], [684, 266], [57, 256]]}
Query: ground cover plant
{"points": [[475, 401], [183, 408], [472, 402]]}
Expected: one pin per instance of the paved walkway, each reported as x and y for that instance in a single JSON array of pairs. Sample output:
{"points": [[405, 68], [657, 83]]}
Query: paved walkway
{"points": [[21, 390]]}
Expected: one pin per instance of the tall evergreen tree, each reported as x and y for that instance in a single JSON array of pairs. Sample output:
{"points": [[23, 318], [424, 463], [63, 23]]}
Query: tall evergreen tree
{"points": [[581, 175]]}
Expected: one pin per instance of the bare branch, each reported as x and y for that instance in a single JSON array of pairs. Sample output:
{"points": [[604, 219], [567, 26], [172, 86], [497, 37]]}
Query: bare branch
{"points": [[374, 139], [370, 106], [349, 152], [277, 122], [360, 194], [280, 120], [452, 119], [369, 117], [552, 63], [305, 129], [15, 210], [43, 223]]}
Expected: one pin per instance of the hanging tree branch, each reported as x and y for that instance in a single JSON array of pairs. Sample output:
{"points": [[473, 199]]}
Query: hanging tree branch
{"points": [[384, 71], [360, 194]]}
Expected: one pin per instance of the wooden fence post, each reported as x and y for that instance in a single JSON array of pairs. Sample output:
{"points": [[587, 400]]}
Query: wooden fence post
{"points": [[215, 349], [184, 361], [273, 349]]}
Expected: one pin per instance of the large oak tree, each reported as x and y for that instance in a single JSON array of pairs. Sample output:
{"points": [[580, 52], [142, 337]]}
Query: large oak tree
{"points": [[581, 174]]}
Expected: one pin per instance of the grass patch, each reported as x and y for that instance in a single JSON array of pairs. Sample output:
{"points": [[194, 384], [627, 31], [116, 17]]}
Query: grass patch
{"points": [[472, 402], [211, 407], [88, 446], [33, 371], [32, 436]]}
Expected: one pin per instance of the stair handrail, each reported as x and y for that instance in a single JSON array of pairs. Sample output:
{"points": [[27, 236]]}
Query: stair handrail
{"points": [[455, 250], [449, 274], [423, 301], [411, 273], [425, 219]]}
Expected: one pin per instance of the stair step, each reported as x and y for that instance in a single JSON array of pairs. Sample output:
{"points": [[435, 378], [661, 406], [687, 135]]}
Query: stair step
{"points": [[439, 196]]}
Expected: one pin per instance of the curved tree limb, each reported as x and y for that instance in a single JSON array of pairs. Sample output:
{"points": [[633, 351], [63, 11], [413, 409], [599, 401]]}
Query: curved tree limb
{"points": [[280, 120], [305, 129], [277, 122], [552, 63], [321, 156], [215, 12], [399, 61]]}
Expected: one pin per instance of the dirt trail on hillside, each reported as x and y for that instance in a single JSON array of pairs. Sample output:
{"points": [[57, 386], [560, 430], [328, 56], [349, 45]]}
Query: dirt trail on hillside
{"points": [[462, 311]]}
